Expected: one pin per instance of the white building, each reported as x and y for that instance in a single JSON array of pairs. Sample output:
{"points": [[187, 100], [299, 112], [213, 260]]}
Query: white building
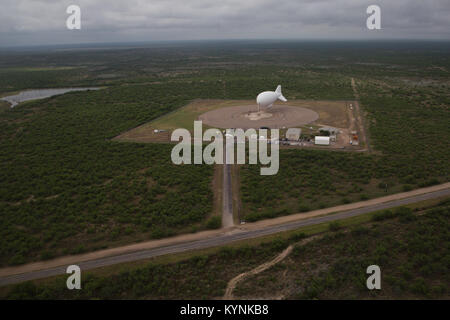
{"points": [[293, 134], [321, 140]]}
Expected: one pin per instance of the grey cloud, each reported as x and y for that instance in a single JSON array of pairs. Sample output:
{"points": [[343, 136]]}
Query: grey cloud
{"points": [[24, 22]]}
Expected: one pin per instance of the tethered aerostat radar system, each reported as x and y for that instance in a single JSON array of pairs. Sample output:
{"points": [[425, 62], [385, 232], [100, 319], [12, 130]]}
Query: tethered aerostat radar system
{"points": [[267, 98]]}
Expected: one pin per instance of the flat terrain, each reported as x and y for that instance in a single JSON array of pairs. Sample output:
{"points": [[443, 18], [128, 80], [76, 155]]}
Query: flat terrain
{"points": [[276, 117], [214, 238], [331, 113], [183, 117], [69, 187], [322, 261], [234, 114], [412, 262]]}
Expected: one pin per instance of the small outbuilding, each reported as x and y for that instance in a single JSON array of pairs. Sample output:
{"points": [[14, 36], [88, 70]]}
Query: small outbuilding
{"points": [[321, 140], [293, 134]]}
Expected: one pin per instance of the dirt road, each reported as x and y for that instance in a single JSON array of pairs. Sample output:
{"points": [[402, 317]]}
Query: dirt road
{"points": [[233, 282], [212, 238], [262, 267], [359, 117]]}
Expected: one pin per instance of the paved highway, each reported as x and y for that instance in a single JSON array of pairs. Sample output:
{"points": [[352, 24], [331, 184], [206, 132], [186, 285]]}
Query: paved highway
{"points": [[219, 240], [227, 195]]}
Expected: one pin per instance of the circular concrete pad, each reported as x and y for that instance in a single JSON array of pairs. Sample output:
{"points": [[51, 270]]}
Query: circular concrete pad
{"points": [[246, 117]]}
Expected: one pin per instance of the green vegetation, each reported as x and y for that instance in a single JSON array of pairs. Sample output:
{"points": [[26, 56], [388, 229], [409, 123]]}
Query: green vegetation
{"points": [[407, 121], [332, 266], [311, 179], [67, 188], [411, 250]]}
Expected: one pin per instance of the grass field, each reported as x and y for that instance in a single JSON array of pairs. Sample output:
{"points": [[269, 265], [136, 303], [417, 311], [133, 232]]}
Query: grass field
{"points": [[183, 117], [331, 113]]}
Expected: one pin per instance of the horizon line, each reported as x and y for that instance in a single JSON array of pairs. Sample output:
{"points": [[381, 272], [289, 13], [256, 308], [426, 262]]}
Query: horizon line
{"points": [[144, 42]]}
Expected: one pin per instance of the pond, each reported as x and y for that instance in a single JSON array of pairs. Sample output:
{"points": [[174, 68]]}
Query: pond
{"points": [[40, 94]]}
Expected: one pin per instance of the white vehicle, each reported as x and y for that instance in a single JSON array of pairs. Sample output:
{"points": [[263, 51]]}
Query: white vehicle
{"points": [[267, 98]]}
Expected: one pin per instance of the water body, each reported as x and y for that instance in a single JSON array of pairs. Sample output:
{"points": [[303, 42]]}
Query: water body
{"points": [[40, 94]]}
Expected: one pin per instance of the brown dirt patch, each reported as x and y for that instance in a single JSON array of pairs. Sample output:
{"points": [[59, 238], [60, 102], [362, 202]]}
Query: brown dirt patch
{"points": [[279, 116]]}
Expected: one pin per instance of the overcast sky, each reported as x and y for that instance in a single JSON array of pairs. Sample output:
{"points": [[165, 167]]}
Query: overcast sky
{"points": [[40, 22]]}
